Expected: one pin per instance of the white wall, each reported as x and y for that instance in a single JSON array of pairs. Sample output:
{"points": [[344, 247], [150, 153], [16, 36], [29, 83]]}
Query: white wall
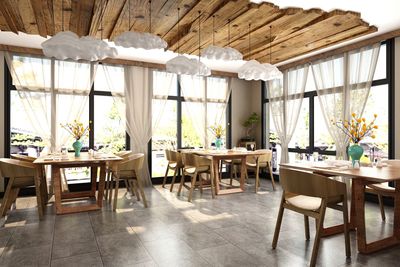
{"points": [[1, 113], [246, 99], [397, 98]]}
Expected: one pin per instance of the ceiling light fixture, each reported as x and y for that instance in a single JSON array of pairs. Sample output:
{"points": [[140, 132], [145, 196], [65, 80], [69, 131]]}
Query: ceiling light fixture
{"points": [[144, 40], [254, 70], [184, 65], [221, 53], [68, 45]]}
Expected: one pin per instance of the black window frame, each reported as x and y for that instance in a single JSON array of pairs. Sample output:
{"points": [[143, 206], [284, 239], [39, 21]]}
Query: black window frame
{"points": [[311, 96]]}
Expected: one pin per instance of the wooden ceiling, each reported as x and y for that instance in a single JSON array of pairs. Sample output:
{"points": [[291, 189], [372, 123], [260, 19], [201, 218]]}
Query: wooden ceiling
{"points": [[294, 31]]}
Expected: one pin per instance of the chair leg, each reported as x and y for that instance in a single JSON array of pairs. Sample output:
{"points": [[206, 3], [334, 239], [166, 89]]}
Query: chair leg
{"points": [[181, 183], [134, 188], [140, 186], [165, 177], [307, 227], [278, 222], [272, 176], [212, 185], [193, 183], [346, 227], [4, 204], [231, 175], [107, 184], [12, 198], [173, 179], [116, 192], [111, 189], [382, 208], [200, 184], [317, 239]]}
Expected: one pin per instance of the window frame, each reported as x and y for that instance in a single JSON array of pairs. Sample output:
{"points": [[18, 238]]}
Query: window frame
{"points": [[312, 96]]}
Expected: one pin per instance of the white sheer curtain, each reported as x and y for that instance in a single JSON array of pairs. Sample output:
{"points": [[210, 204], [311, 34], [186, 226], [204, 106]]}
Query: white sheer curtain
{"points": [[218, 94], [285, 100], [31, 77], [163, 84], [193, 90], [138, 100], [72, 84], [343, 85]]}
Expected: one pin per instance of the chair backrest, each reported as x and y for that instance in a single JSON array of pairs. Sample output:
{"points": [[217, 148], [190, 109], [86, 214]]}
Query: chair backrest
{"points": [[133, 163], [168, 155], [392, 162], [16, 168], [193, 160], [309, 184], [23, 157], [124, 154], [176, 157], [266, 156]]}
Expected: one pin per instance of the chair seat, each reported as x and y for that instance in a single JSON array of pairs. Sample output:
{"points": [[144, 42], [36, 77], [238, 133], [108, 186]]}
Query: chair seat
{"points": [[305, 202], [382, 187], [172, 164], [230, 161], [254, 165], [192, 170]]}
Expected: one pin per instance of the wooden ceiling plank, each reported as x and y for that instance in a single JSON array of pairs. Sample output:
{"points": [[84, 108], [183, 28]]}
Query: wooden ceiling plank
{"points": [[11, 18], [82, 12], [256, 15], [28, 16], [315, 32], [40, 19], [230, 10], [355, 32]]}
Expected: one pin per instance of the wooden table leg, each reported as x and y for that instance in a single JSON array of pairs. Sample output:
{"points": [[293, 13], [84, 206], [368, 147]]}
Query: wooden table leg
{"points": [[56, 176], [93, 179], [243, 170], [101, 184], [396, 219], [216, 174], [359, 205]]}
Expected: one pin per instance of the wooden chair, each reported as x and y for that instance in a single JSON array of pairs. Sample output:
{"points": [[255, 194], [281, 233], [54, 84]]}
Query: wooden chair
{"points": [[260, 162], [129, 170], [174, 164], [383, 189], [194, 166], [109, 170], [21, 174], [310, 194]]}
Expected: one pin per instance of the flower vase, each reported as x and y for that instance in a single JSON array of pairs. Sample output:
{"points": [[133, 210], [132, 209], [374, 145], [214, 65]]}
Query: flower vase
{"points": [[77, 145], [355, 152], [218, 143]]}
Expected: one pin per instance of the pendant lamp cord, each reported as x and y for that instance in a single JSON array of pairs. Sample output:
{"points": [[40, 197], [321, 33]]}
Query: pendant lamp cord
{"points": [[229, 32], [179, 39], [213, 36], [150, 14], [270, 44], [249, 40]]}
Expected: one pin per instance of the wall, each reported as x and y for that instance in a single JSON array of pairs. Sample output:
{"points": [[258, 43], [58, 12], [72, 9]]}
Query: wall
{"points": [[1, 113], [397, 98], [246, 99]]}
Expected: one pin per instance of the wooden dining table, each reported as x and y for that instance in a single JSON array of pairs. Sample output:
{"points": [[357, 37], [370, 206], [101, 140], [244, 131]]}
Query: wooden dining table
{"points": [[217, 156], [360, 178], [85, 160]]}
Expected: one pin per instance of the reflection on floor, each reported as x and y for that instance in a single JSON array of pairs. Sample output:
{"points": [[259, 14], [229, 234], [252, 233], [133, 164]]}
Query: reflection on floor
{"points": [[231, 230]]}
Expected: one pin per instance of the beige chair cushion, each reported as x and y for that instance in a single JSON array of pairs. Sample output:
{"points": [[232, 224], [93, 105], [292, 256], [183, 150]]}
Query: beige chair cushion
{"points": [[305, 202], [382, 187], [172, 164], [192, 170]]}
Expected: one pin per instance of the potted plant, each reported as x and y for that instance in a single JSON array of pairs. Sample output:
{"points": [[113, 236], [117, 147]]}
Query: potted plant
{"points": [[218, 132], [250, 124], [77, 131]]}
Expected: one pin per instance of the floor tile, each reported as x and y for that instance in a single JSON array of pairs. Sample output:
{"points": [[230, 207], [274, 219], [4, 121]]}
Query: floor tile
{"points": [[83, 260]]}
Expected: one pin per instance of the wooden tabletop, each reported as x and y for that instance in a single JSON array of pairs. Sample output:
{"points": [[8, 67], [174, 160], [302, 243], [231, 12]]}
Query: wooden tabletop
{"points": [[379, 175], [84, 158], [225, 153]]}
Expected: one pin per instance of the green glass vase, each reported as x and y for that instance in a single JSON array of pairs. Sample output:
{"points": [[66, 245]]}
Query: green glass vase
{"points": [[77, 145], [355, 152], [218, 143]]}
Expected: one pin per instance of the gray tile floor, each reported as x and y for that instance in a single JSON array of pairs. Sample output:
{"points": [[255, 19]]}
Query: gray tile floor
{"points": [[231, 230]]}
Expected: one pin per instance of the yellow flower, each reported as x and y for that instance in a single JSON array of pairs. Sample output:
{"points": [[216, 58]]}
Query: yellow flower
{"points": [[375, 115], [375, 126], [353, 114], [363, 119], [373, 136]]}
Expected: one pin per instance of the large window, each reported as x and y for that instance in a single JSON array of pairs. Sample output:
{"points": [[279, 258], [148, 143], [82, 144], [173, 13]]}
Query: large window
{"points": [[187, 116], [44, 101], [311, 133]]}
